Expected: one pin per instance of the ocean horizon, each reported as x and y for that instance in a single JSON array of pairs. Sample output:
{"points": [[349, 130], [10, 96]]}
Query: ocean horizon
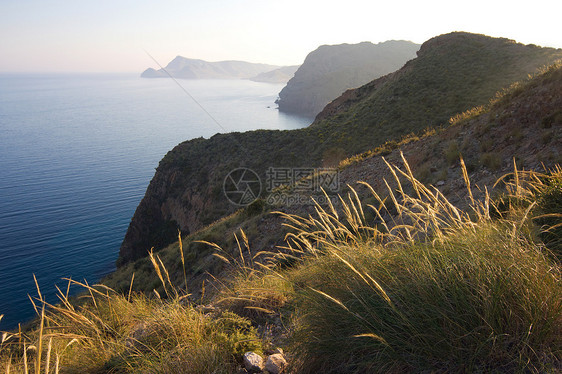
{"points": [[78, 152]]}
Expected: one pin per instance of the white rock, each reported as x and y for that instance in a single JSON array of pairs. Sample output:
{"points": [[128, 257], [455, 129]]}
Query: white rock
{"points": [[253, 362], [275, 363]]}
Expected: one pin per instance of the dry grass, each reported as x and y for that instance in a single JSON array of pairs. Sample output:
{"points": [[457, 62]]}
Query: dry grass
{"points": [[423, 287], [108, 332]]}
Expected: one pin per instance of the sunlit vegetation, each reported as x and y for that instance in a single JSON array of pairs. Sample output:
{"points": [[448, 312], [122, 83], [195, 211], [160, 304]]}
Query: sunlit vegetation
{"points": [[407, 282]]}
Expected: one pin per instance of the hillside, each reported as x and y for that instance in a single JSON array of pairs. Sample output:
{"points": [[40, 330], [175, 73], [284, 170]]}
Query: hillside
{"points": [[331, 69], [524, 124], [452, 73], [186, 191], [188, 68]]}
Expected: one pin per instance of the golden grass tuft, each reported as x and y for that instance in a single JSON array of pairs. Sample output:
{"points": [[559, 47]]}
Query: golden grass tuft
{"points": [[104, 331]]}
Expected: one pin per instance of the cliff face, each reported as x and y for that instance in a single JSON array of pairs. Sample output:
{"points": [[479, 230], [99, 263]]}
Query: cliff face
{"points": [[187, 190], [452, 73], [331, 69], [188, 68]]}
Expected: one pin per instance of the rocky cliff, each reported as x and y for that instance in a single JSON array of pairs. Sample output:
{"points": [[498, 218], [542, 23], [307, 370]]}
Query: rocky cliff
{"points": [[331, 69]]}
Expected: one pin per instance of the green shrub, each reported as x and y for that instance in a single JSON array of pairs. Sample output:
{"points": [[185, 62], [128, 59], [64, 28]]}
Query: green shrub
{"points": [[452, 153], [491, 160], [486, 145], [553, 119], [423, 173]]}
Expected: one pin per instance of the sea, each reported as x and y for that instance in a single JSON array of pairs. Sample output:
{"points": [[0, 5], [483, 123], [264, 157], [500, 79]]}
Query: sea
{"points": [[77, 152]]}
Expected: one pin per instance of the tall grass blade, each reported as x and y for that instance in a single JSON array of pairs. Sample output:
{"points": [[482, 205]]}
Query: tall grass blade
{"points": [[182, 261], [131, 287], [48, 357], [25, 368], [158, 272], [40, 341], [466, 181], [372, 336], [336, 301]]}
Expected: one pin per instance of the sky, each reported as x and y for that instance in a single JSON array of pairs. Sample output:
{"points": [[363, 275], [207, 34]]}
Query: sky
{"points": [[118, 35]]}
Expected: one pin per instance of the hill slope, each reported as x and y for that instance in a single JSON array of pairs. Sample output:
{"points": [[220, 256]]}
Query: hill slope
{"points": [[452, 73], [188, 68], [331, 69], [186, 191], [525, 124]]}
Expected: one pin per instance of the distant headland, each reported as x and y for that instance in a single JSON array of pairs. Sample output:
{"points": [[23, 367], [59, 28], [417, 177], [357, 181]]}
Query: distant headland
{"points": [[188, 68]]}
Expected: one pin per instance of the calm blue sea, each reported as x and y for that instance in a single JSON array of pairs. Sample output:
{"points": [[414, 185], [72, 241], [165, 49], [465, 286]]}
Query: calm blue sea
{"points": [[76, 155]]}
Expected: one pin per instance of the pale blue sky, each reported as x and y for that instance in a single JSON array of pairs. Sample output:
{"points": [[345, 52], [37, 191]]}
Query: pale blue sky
{"points": [[111, 35]]}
